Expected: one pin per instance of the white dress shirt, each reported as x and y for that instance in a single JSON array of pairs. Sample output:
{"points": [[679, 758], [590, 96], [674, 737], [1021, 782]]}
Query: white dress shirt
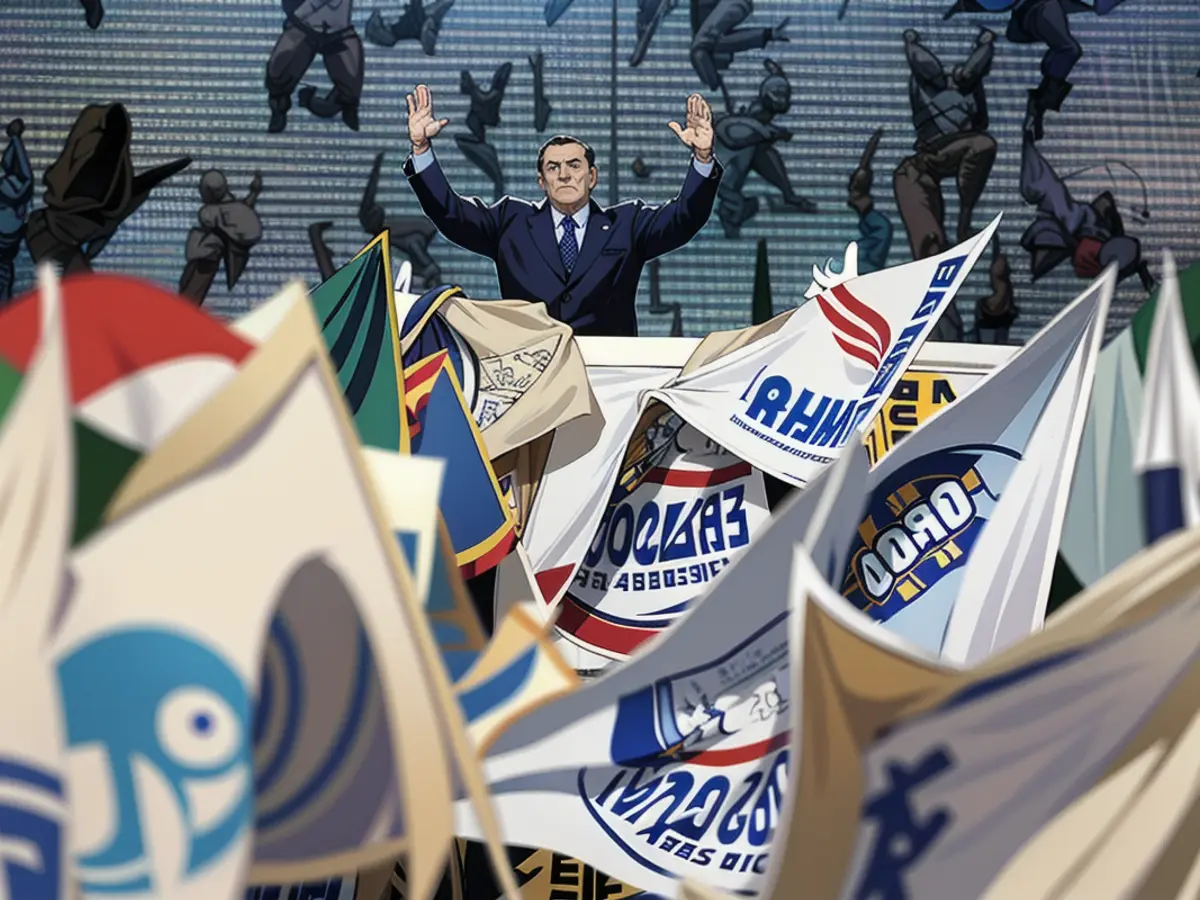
{"points": [[423, 161]]}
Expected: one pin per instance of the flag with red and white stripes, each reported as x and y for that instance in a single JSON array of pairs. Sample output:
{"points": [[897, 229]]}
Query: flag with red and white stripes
{"points": [[859, 330], [790, 400]]}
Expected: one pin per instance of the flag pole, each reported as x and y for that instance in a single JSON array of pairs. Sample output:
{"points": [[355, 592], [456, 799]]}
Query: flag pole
{"points": [[613, 189]]}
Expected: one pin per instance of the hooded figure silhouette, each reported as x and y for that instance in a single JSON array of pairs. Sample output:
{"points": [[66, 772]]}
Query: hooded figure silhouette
{"points": [[91, 189]]}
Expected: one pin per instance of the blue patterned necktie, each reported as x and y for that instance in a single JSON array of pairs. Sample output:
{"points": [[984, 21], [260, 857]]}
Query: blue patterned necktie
{"points": [[568, 246]]}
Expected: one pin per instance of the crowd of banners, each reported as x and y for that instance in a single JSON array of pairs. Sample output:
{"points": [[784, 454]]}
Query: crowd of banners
{"points": [[315, 707], [674, 764], [171, 772], [601, 516], [441, 376], [1035, 773], [923, 780], [418, 407]]}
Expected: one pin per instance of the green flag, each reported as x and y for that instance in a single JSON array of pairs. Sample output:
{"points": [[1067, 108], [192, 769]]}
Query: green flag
{"points": [[1143, 319], [357, 312]]}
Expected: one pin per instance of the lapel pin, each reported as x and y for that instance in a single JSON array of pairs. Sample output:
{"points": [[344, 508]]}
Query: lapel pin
{"points": [[604, 228]]}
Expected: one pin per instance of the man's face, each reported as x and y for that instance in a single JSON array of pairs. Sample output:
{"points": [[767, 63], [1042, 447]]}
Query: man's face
{"points": [[566, 177]]}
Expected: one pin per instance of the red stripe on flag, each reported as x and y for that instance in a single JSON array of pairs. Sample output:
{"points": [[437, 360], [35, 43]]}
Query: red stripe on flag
{"points": [[551, 581], [424, 370], [737, 755], [696, 478], [857, 352], [841, 323], [117, 326], [492, 558], [877, 322], [578, 622]]}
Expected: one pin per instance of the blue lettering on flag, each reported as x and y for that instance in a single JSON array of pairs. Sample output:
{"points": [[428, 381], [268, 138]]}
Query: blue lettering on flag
{"points": [[30, 842], [318, 890], [816, 420], [900, 840]]}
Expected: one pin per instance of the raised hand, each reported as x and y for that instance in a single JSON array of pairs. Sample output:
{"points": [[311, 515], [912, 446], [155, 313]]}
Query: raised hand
{"points": [[698, 133], [422, 126]]}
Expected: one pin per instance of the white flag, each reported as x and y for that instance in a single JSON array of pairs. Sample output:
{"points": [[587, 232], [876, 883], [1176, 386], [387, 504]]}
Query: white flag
{"points": [[1167, 455], [919, 780], [788, 402], [260, 501], [37, 481], [682, 509], [1006, 583], [928, 501], [585, 458], [674, 764]]}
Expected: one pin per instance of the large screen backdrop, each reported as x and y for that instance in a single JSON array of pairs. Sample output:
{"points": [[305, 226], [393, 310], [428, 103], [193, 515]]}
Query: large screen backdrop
{"points": [[191, 73]]}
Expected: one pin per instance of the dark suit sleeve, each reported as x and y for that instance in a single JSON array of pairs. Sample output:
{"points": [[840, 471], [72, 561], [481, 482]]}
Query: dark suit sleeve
{"points": [[661, 229], [466, 221]]}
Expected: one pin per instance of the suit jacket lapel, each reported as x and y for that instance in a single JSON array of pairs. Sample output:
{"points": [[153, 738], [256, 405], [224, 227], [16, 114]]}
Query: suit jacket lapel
{"points": [[541, 227], [599, 230]]}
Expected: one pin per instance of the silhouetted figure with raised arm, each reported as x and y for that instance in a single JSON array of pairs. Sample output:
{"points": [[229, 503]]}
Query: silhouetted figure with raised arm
{"points": [[91, 189], [748, 138], [950, 117]]}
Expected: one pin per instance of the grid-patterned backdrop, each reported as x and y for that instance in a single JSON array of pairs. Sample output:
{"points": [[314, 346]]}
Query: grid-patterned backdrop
{"points": [[191, 74]]}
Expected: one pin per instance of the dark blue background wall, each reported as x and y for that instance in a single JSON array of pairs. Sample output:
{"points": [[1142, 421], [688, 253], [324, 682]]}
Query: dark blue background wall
{"points": [[191, 73]]}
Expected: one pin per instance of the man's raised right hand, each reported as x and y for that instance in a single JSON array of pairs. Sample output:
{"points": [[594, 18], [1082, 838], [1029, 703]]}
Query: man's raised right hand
{"points": [[422, 126]]}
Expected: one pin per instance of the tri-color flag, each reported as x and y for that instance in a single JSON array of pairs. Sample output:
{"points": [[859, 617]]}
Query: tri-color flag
{"points": [[142, 361]]}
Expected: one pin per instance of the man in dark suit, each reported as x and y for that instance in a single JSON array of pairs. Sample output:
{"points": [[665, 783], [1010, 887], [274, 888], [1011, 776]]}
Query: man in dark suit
{"points": [[581, 259]]}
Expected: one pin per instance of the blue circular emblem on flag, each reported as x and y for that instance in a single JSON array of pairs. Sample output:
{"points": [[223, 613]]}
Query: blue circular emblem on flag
{"points": [[921, 523]]}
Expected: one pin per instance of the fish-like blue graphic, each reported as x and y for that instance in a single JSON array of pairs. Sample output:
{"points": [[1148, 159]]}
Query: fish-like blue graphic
{"points": [[171, 720]]}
